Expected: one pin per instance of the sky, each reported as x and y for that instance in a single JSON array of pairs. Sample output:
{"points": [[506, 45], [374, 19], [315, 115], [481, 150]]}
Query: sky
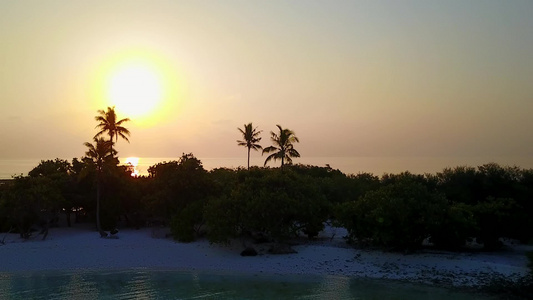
{"points": [[350, 78]]}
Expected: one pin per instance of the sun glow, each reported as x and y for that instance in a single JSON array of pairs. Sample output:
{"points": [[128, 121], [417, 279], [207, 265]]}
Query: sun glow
{"points": [[132, 162], [142, 85], [135, 89]]}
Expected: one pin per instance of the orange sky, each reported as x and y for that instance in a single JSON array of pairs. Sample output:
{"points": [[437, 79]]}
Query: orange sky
{"points": [[351, 78]]}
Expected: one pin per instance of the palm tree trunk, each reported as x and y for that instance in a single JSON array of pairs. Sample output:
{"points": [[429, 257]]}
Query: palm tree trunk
{"points": [[248, 158], [111, 140]]}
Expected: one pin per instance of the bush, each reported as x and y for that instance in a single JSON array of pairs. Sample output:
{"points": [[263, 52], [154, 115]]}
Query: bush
{"points": [[398, 216], [455, 228], [186, 224], [494, 217], [276, 204], [223, 219]]}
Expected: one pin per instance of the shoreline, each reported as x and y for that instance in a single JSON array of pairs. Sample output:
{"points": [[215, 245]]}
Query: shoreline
{"points": [[81, 249]]}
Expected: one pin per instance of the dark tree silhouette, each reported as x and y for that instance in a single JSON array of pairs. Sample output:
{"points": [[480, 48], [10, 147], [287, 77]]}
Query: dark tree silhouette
{"points": [[100, 155], [108, 124], [250, 137], [283, 148]]}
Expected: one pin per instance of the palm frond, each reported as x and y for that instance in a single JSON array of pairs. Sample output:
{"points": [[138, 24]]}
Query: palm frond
{"points": [[269, 158], [270, 149], [293, 153]]}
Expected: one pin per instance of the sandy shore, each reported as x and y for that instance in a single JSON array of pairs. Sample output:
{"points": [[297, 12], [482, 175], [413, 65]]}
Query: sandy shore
{"points": [[80, 248]]}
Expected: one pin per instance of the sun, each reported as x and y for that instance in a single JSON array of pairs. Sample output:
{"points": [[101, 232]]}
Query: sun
{"points": [[132, 163], [142, 84], [135, 89]]}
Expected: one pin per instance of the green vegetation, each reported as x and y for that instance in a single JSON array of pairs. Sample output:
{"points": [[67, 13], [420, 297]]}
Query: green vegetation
{"points": [[283, 148], [250, 139], [108, 124], [99, 158], [400, 212], [397, 212]]}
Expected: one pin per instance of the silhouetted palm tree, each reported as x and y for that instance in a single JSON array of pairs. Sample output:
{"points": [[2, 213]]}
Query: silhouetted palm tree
{"points": [[109, 124], [283, 146], [250, 139], [100, 155]]}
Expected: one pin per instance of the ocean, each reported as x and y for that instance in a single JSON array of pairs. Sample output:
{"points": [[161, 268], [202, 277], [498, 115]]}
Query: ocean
{"points": [[348, 165], [168, 284]]}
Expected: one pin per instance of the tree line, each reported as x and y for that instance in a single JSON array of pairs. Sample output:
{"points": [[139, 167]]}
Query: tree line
{"points": [[400, 212], [394, 211]]}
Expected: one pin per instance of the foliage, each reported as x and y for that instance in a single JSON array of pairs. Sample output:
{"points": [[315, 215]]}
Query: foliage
{"points": [[275, 204], [396, 211], [396, 216], [283, 146], [460, 185], [187, 223], [51, 168], [31, 201], [63, 175], [407, 177], [100, 159], [499, 197], [223, 218], [108, 124], [180, 190], [340, 189], [176, 184], [250, 139], [493, 218], [455, 228]]}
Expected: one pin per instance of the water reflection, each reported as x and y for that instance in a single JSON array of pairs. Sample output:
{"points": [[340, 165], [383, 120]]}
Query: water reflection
{"points": [[164, 284]]}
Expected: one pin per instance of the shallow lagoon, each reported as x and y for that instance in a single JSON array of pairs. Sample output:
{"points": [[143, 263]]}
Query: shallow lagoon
{"points": [[164, 284]]}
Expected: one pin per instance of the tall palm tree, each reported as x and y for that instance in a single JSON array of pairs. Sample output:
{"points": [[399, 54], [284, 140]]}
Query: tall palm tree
{"points": [[109, 124], [100, 155], [283, 146], [250, 137]]}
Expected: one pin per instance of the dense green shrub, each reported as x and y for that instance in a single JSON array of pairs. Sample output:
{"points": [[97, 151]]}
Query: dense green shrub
{"points": [[460, 185], [30, 201], [397, 216], [177, 184], [276, 204], [494, 194], [493, 218], [186, 224], [455, 228], [408, 177], [395, 211], [223, 219]]}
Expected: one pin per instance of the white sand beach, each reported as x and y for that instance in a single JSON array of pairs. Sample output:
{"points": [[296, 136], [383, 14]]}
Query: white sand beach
{"points": [[81, 248]]}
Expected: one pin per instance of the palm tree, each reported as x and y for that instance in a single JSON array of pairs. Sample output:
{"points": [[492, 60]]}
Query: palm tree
{"points": [[283, 146], [100, 155], [250, 139], [108, 124]]}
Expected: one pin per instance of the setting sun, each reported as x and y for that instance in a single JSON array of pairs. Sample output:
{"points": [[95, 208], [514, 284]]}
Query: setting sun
{"points": [[143, 85], [133, 162], [135, 89]]}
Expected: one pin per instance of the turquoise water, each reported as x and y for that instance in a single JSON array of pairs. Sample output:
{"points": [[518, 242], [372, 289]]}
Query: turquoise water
{"points": [[158, 284]]}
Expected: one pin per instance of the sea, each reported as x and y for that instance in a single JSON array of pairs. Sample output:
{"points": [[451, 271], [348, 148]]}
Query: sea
{"points": [[348, 165], [171, 284]]}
